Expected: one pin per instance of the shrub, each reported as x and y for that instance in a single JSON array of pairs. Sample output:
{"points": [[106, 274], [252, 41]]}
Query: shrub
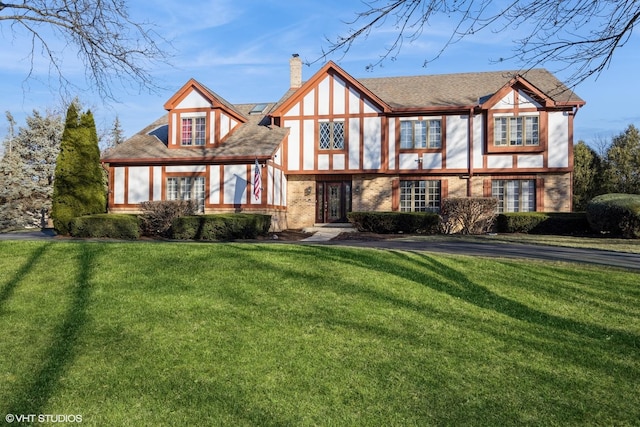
{"points": [[558, 223], [395, 222], [157, 217], [78, 187], [112, 226], [618, 214], [468, 215], [220, 227]]}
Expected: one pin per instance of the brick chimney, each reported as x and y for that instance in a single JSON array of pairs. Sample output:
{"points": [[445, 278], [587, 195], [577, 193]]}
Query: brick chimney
{"points": [[295, 65]]}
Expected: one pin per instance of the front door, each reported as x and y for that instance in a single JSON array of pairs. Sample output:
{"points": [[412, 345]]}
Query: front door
{"points": [[333, 201]]}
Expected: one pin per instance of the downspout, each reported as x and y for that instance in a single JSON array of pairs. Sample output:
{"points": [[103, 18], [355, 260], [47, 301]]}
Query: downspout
{"points": [[470, 155]]}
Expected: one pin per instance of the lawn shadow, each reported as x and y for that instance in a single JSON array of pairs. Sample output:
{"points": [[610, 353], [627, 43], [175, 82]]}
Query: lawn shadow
{"points": [[10, 286], [33, 396], [442, 278]]}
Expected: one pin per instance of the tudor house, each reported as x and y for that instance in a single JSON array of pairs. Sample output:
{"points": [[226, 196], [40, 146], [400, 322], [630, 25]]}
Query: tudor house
{"points": [[336, 144]]}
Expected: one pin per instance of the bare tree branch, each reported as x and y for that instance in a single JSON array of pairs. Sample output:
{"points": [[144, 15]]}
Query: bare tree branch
{"points": [[582, 35], [113, 48]]}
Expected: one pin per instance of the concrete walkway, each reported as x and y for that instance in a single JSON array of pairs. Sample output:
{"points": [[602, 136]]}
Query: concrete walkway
{"points": [[326, 232]]}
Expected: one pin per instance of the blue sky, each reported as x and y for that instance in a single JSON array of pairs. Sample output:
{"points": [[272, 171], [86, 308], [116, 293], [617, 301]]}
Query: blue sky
{"points": [[241, 50]]}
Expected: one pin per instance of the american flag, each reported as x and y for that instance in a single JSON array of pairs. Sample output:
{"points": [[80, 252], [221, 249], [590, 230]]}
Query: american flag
{"points": [[257, 190]]}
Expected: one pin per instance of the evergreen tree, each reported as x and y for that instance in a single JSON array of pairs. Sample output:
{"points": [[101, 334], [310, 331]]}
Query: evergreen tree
{"points": [[622, 163], [115, 135], [27, 170], [78, 186], [587, 175]]}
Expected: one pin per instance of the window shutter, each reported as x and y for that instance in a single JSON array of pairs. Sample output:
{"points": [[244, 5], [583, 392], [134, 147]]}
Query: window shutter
{"points": [[540, 195], [395, 195], [486, 188]]}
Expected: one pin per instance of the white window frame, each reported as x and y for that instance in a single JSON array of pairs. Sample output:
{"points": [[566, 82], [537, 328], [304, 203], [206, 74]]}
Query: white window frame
{"points": [[336, 136], [187, 188], [516, 131], [420, 195], [197, 130], [514, 195], [420, 133]]}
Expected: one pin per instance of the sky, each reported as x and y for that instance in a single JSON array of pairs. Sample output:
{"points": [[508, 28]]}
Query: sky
{"points": [[241, 48]]}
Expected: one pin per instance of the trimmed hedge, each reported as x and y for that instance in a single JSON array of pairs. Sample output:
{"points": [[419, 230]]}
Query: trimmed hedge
{"points": [[395, 222], [220, 226], [114, 226], [617, 214], [566, 224]]}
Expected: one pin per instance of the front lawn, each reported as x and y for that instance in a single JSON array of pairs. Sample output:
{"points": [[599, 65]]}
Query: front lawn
{"points": [[149, 333]]}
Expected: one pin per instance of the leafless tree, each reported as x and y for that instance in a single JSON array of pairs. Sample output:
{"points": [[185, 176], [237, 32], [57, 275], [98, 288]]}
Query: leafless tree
{"points": [[113, 47], [580, 34]]}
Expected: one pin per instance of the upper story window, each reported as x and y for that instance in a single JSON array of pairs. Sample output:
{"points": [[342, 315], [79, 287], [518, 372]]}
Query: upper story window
{"points": [[331, 136], [420, 133], [516, 131], [193, 131]]}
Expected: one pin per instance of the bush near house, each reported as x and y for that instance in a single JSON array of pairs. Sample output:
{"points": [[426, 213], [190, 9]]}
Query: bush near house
{"points": [[395, 222], [564, 224], [157, 216], [220, 226], [617, 214], [115, 226], [468, 215]]}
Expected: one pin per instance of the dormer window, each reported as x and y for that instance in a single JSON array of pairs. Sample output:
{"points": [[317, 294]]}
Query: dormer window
{"points": [[516, 131], [193, 131]]}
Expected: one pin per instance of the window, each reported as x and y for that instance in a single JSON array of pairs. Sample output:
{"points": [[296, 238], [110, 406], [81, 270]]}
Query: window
{"points": [[516, 131], [420, 134], [331, 135], [187, 188], [515, 195], [419, 196], [193, 131]]}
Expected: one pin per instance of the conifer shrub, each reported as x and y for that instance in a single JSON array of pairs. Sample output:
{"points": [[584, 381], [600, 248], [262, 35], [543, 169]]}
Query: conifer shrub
{"points": [[114, 226], [78, 187], [395, 222]]}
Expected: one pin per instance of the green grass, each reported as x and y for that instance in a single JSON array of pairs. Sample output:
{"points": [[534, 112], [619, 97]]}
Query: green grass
{"points": [[270, 334]]}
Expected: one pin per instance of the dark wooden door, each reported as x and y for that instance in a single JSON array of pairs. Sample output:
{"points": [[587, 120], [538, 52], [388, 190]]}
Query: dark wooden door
{"points": [[333, 201]]}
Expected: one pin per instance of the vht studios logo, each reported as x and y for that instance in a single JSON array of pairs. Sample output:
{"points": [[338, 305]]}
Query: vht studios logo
{"points": [[42, 418]]}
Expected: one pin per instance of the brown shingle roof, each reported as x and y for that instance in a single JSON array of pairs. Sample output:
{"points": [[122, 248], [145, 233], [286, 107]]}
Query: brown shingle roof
{"points": [[458, 90], [251, 139]]}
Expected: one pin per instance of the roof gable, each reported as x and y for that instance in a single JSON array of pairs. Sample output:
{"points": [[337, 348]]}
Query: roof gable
{"points": [[196, 95], [320, 78]]}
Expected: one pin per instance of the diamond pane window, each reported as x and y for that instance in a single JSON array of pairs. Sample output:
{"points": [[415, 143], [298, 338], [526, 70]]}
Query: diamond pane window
{"points": [[331, 136]]}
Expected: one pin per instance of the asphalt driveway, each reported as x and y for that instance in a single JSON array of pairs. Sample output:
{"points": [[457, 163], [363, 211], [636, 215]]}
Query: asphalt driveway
{"points": [[505, 250], [488, 249]]}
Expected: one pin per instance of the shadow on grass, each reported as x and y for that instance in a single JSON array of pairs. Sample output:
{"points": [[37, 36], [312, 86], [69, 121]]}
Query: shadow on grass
{"points": [[451, 281], [10, 286], [36, 391]]}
